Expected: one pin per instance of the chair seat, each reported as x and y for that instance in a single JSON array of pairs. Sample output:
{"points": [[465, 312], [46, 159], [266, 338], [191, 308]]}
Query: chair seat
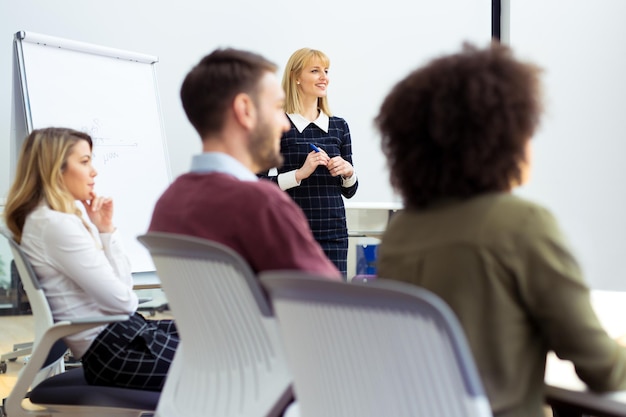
{"points": [[71, 388]]}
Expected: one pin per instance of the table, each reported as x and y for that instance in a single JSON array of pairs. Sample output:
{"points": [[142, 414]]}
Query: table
{"points": [[146, 280], [563, 387]]}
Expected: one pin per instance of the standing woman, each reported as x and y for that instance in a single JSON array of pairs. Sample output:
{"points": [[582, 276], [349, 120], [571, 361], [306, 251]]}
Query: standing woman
{"points": [[81, 264], [317, 150]]}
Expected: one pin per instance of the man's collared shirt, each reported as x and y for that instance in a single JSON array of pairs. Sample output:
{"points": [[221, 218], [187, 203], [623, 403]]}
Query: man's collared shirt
{"points": [[220, 162]]}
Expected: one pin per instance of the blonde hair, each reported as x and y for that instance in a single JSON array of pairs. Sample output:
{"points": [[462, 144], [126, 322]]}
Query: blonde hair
{"points": [[296, 63], [39, 176]]}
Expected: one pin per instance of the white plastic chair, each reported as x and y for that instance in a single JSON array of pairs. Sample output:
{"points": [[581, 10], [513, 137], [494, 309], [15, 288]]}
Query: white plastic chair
{"points": [[373, 349], [230, 361], [43, 388], [38, 306]]}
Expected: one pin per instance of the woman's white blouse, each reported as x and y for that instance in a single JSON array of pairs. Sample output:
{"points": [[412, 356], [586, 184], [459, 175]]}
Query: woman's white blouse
{"points": [[83, 274]]}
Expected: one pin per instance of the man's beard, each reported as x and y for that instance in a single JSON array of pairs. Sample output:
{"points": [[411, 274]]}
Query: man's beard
{"points": [[262, 148]]}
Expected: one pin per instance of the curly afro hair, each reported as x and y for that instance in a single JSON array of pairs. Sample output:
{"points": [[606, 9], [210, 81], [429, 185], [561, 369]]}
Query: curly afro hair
{"points": [[458, 126]]}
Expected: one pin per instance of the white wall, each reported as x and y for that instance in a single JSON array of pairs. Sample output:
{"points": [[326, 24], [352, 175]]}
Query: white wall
{"points": [[371, 46], [579, 150]]}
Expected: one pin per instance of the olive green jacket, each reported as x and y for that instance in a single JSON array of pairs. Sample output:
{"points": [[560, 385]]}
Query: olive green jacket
{"points": [[505, 269]]}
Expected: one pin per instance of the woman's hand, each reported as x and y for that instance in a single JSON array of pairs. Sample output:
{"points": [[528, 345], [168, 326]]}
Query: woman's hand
{"points": [[339, 166], [313, 160], [100, 212]]}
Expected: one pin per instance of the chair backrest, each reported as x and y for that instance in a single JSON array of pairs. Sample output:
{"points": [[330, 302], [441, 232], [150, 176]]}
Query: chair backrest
{"points": [[373, 349], [230, 361], [42, 315], [34, 292]]}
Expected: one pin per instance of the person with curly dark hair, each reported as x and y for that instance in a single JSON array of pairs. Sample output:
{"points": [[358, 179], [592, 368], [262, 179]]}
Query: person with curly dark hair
{"points": [[456, 133]]}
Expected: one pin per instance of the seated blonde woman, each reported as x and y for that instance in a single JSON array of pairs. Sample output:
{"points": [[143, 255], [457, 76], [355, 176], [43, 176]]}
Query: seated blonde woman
{"points": [[81, 262]]}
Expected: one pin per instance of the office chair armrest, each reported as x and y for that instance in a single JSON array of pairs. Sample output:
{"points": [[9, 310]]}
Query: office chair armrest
{"points": [[40, 354]]}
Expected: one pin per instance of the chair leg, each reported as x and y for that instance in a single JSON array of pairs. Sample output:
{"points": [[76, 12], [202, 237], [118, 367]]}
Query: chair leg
{"points": [[2, 412], [19, 350]]}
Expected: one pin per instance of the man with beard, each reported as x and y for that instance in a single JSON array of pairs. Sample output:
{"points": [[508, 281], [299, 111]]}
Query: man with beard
{"points": [[235, 102]]}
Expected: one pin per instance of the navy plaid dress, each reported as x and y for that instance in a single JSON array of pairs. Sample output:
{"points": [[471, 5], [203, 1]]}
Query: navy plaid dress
{"points": [[136, 353], [320, 195]]}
